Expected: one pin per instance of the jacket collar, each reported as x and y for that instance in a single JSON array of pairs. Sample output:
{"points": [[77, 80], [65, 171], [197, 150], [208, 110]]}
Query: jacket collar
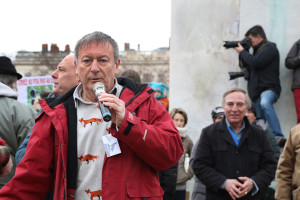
{"points": [[227, 136]]}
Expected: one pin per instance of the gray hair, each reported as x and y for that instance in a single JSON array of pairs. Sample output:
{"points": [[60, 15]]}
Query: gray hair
{"points": [[9, 80], [248, 101], [97, 37]]}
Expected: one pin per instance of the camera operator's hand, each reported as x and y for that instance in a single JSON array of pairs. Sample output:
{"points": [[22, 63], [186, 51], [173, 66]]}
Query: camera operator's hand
{"points": [[239, 48]]}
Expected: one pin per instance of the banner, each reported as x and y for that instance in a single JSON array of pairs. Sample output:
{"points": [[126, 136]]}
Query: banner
{"points": [[29, 88]]}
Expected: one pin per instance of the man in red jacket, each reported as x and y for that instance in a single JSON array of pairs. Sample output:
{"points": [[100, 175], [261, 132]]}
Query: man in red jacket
{"points": [[78, 155]]}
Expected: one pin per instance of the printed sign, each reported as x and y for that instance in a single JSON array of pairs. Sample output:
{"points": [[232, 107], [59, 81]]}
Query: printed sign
{"points": [[29, 88]]}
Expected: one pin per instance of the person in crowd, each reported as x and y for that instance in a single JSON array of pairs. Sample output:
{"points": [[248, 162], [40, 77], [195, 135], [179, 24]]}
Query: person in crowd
{"points": [[16, 119], [292, 61], [234, 159], [160, 93], [36, 105], [130, 73], [264, 83], [167, 179], [287, 174], [180, 119], [64, 78], [251, 115], [217, 114], [79, 155], [6, 163], [199, 188]]}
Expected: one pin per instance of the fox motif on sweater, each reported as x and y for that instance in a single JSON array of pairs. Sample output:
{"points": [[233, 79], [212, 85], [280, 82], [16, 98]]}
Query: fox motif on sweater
{"points": [[97, 193], [87, 158], [85, 122]]}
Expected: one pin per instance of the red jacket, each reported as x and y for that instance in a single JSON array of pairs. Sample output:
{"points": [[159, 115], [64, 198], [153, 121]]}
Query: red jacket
{"points": [[152, 143]]}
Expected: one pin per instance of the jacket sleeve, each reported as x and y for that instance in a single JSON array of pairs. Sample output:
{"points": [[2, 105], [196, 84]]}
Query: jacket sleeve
{"points": [[292, 60], [203, 164], [33, 178], [22, 148], [193, 153], [151, 134], [261, 59], [285, 170]]}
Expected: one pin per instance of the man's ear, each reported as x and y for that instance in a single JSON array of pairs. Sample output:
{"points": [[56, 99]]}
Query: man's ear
{"points": [[117, 66], [76, 67]]}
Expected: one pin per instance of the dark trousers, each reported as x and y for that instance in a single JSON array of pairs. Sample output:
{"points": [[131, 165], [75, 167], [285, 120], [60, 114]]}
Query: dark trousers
{"points": [[180, 195]]}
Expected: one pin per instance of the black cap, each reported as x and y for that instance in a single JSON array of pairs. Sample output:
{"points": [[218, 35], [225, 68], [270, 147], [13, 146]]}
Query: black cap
{"points": [[6, 67]]}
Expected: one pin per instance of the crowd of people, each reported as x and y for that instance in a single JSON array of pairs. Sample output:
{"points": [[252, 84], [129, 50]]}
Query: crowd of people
{"points": [[67, 150]]}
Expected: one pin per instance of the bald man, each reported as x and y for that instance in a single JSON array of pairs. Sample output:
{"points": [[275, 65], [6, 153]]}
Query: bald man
{"points": [[65, 78]]}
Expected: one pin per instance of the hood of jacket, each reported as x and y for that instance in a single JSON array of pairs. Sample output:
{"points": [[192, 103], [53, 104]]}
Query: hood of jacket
{"points": [[7, 91]]}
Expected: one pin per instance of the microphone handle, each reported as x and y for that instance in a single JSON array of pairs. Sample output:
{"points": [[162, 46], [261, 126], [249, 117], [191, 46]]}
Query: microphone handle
{"points": [[104, 110]]}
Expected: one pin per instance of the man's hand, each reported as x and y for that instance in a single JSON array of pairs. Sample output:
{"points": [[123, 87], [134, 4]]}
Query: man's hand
{"points": [[239, 48], [116, 107], [232, 186], [247, 186]]}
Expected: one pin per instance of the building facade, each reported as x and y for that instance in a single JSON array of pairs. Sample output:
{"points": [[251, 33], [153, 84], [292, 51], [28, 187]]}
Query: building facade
{"points": [[153, 66]]}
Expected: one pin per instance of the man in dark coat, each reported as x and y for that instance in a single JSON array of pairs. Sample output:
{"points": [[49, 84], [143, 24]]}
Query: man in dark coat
{"points": [[234, 159], [264, 83]]}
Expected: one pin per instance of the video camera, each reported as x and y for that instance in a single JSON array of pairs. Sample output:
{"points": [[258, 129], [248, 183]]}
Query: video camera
{"points": [[246, 43]]}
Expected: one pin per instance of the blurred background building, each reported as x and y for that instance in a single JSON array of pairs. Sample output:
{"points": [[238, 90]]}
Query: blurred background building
{"points": [[151, 65]]}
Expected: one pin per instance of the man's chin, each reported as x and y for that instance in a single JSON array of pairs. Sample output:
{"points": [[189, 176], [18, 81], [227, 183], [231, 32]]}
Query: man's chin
{"points": [[235, 120]]}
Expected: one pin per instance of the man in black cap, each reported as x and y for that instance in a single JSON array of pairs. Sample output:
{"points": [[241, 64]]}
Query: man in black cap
{"points": [[16, 119]]}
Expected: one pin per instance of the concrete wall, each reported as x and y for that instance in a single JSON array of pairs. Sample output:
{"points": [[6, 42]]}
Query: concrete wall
{"points": [[199, 64]]}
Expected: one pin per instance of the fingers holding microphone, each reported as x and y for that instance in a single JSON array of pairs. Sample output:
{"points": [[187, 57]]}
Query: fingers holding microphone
{"points": [[115, 105]]}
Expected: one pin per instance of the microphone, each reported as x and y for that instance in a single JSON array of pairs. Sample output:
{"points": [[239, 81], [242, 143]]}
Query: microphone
{"points": [[100, 88]]}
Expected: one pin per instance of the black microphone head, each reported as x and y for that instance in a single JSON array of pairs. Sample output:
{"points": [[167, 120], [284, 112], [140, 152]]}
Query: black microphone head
{"points": [[98, 88]]}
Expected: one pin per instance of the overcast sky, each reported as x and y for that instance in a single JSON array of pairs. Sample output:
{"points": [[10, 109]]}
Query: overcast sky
{"points": [[27, 24]]}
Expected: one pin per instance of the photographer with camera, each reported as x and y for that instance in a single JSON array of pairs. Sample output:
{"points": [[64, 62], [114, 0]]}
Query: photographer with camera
{"points": [[263, 82]]}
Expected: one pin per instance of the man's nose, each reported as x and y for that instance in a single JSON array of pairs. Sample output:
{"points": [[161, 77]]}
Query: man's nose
{"points": [[95, 66], [234, 107], [54, 74]]}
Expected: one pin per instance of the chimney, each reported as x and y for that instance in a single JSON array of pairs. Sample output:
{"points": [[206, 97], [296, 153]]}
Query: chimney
{"points": [[127, 46], [139, 47], [44, 48], [67, 48], [54, 48]]}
